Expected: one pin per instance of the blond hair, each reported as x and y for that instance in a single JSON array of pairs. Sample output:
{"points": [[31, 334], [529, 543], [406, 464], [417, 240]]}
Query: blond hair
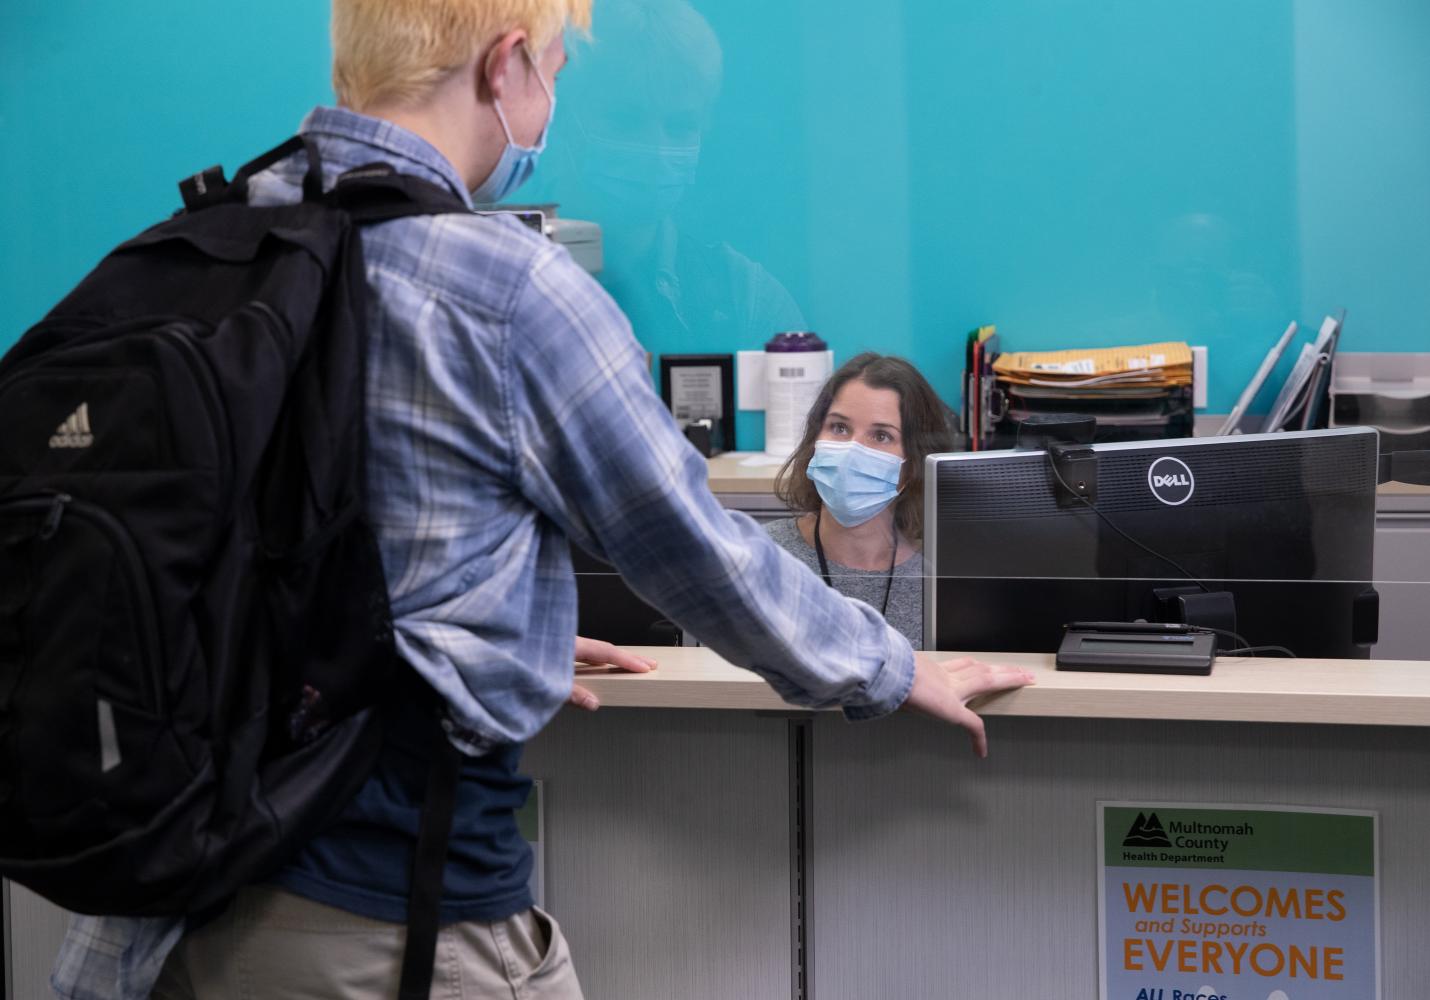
{"points": [[397, 51]]}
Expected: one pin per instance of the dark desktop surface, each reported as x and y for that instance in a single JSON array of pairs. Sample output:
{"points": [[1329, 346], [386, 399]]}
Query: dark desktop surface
{"points": [[1285, 523]]}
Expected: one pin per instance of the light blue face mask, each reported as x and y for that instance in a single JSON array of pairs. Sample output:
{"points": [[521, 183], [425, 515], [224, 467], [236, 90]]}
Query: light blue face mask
{"points": [[644, 175], [517, 163], [855, 482]]}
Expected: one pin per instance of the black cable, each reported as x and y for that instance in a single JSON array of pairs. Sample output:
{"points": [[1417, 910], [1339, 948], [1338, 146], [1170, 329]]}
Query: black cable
{"points": [[1245, 646], [1108, 521], [1228, 632]]}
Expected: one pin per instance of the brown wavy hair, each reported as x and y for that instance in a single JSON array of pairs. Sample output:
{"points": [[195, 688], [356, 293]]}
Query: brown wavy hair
{"points": [[925, 431]]}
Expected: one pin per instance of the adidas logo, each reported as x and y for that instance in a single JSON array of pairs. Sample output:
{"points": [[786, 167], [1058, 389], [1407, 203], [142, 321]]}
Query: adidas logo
{"points": [[74, 432]]}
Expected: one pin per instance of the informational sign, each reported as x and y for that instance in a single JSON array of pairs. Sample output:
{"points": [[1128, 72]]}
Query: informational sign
{"points": [[532, 824], [1223, 902], [696, 393]]}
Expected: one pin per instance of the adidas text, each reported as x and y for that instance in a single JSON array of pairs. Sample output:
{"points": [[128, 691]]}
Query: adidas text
{"points": [[71, 440]]}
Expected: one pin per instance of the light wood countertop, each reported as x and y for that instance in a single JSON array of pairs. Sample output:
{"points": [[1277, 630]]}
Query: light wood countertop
{"points": [[1403, 489], [1240, 689], [730, 473]]}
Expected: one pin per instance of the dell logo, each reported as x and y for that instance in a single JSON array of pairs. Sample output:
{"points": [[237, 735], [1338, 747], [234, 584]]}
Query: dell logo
{"points": [[1171, 481]]}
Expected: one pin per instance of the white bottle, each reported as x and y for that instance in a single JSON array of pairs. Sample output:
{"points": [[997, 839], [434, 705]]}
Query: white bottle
{"points": [[797, 364]]}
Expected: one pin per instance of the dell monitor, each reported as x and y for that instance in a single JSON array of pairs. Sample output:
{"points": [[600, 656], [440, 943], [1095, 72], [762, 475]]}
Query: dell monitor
{"points": [[1270, 533]]}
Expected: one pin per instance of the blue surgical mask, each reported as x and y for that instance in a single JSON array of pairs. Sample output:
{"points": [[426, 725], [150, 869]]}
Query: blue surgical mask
{"points": [[517, 163], [854, 482], [643, 179]]}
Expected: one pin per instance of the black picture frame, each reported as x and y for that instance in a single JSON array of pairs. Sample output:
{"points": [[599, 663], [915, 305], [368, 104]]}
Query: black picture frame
{"points": [[687, 390]]}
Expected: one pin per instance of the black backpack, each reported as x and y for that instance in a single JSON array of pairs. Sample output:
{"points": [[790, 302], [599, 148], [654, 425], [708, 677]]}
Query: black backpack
{"points": [[195, 637]]}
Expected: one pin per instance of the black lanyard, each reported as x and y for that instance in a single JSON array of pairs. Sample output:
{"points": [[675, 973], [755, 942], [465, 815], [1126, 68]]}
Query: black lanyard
{"points": [[824, 564]]}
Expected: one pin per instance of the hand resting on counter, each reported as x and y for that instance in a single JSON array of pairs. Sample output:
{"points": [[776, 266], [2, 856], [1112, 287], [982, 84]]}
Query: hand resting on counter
{"points": [[596, 653], [943, 689]]}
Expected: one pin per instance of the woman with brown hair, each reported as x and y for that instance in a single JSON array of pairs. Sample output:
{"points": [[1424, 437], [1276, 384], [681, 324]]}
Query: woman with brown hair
{"points": [[855, 484]]}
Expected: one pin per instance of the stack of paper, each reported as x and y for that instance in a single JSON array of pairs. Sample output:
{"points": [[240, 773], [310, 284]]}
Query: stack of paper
{"points": [[1144, 368], [978, 419], [1307, 381]]}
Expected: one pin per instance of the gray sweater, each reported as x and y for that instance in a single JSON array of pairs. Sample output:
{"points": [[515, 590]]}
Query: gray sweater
{"points": [[906, 598]]}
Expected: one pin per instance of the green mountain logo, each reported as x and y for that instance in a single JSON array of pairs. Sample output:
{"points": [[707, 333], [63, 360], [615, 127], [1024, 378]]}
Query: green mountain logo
{"points": [[1146, 831]]}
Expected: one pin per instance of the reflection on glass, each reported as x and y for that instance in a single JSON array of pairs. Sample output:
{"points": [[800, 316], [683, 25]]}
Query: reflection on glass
{"points": [[1204, 280], [636, 103]]}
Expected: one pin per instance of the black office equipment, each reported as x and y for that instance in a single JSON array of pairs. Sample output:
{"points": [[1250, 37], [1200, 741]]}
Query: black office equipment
{"points": [[1390, 392], [1136, 648], [1038, 430], [1133, 415], [1283, 523], [699, 389], [607, 608]]}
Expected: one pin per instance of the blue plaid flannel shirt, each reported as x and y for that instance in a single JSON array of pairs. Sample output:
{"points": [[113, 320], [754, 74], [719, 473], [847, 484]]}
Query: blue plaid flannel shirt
{"points": [[511, 409]]}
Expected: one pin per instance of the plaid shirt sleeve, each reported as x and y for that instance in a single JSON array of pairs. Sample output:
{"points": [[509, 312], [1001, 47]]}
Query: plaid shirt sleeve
{"points": [[598, 452], [113, 958]]}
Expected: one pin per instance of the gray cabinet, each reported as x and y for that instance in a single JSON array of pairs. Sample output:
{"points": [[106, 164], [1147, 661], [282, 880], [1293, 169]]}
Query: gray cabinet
{"points": [[1402, 573], [667, 857], [668, 853], [33, 931], [935, 875]]}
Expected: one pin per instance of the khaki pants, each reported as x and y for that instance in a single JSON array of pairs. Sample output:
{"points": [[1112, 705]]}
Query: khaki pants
{"points": [[273, 945]]}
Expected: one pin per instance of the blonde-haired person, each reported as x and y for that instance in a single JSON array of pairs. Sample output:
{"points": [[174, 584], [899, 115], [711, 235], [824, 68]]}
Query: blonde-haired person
{"points": [[509, 413], [855, 484]]}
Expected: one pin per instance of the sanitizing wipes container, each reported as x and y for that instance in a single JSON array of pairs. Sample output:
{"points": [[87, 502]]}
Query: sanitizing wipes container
{"points": [[797, 363]]}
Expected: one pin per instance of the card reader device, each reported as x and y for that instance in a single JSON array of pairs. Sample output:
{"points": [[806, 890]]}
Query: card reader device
{"points": [[1137, 648]]}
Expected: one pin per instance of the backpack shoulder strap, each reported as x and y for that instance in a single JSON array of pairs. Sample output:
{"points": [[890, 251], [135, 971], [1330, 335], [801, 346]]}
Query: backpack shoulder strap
{"points": [[376, 192], [424, 904]]}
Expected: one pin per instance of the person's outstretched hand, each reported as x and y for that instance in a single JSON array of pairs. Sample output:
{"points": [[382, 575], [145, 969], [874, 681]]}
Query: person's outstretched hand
{"points": [[595, 653], [944, 688]]}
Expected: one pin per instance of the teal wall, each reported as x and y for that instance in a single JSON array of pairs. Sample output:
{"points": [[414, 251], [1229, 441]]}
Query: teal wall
{"points": [[888, 174], [104, 106]]}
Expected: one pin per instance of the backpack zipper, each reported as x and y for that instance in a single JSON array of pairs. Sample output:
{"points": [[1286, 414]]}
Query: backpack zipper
{"points": [[85, 332], [180, 333], [52, 519], [56, 508]]}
